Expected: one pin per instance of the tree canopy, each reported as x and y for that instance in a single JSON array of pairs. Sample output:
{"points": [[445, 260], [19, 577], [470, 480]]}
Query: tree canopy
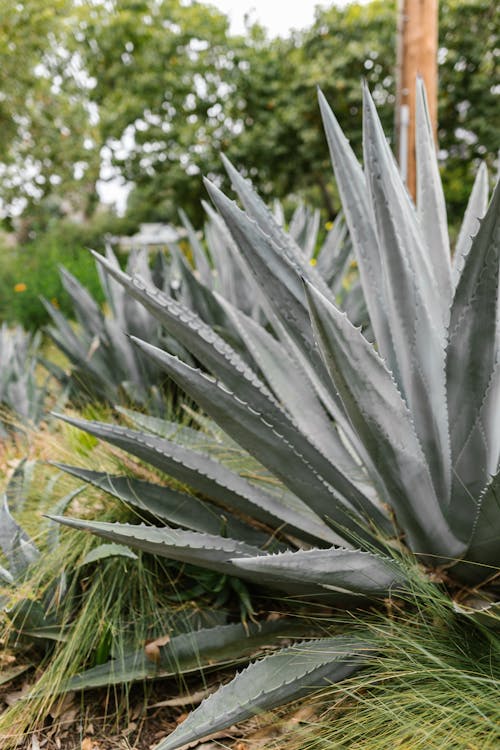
{"points": [[151, 91]]}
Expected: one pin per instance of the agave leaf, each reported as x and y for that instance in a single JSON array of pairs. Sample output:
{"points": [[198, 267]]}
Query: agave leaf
{"points": [[476, 208], [290, 382], [266, 443], [216, 553], [200, 257], [384, 424], [175, 507], [16, 545], [334, 254], [184, 325], [63, 334], [480, 610], [113, 292], [125, 358], [416, 309], [46, 633], [103, 551], [208, 550], [10, 673], [291, 385], [282, 243], [189, 652], [91, 369], [478, 460], [303, 228], [347, 571], [473, 339], [234, 281], [430, 197], [273, 681], [279, 277], [484, 546], [201, 302], [87, 311], [6, 576], [353, 191], [18, 483], [180, 433], [210, 477]]}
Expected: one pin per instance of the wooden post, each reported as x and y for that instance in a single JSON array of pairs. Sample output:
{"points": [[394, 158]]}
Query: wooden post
{"points": [[416, 55]]}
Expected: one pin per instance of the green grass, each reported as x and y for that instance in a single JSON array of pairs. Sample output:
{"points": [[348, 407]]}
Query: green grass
{"points": [[435, 685], [111, 606]]}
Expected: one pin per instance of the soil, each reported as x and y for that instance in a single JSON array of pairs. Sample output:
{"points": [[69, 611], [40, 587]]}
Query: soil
{"points": [[98, 721]]}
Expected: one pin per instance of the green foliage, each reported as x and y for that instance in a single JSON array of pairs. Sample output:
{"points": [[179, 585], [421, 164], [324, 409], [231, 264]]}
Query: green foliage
{"points": [[433, 685], [49, 145], [30, 270], [155, 90]]}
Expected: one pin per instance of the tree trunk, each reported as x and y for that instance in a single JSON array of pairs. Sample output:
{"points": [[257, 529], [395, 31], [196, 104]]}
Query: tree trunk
{"points": [[416, 55]]}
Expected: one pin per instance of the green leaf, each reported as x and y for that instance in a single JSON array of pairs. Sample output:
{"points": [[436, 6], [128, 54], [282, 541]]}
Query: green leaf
{"points": [[342, 570], [252, 430], [189, 652], [472, 368], [175, 507], [352, 186], [103, 551], [15, 543], [430, 197], [291, 385], [206, 475], [283, 244], [417, 310], [384, 424], [200, 256], [278, 679], [476, 209], [484, 546], [207, 550]]}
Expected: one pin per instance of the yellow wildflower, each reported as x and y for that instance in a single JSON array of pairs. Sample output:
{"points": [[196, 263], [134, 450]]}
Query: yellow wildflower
{"points": [[313, 261], [328, 225], [54, 302], [20, 287]]}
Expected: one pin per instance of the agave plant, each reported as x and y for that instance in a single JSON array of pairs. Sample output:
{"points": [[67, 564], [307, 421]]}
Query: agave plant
{"points": [[21, 391], [104, 363], [363, 447], [31, 618]]}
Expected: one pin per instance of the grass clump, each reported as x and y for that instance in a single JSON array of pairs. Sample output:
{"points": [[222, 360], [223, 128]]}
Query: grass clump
{"points": [[434, 685]]}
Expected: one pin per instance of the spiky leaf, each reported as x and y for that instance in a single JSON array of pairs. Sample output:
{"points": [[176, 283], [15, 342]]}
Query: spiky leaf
{"points": [[271, 682]]}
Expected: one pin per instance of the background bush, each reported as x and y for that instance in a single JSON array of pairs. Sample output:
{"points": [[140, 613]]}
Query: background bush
{"points": [[31, 269]]}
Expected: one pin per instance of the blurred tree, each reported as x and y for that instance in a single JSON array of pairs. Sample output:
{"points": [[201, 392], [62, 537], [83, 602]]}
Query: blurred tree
{"points": [[48, 136], [158, 70], [152, 90], [469, 93], [282, 139]]}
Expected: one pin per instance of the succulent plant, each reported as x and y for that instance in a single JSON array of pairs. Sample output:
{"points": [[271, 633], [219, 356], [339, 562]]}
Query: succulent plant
{"points": [[104, 363], [32, 618], [21, 392], [363, 447]]}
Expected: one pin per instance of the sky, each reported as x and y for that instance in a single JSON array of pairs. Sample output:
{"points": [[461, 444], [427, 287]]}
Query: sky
{"points": [[278, 16]]}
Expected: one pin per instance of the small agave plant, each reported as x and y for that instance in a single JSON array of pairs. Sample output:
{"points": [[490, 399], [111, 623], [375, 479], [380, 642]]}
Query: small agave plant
{"points": [[21, 392], [367, 446]]}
